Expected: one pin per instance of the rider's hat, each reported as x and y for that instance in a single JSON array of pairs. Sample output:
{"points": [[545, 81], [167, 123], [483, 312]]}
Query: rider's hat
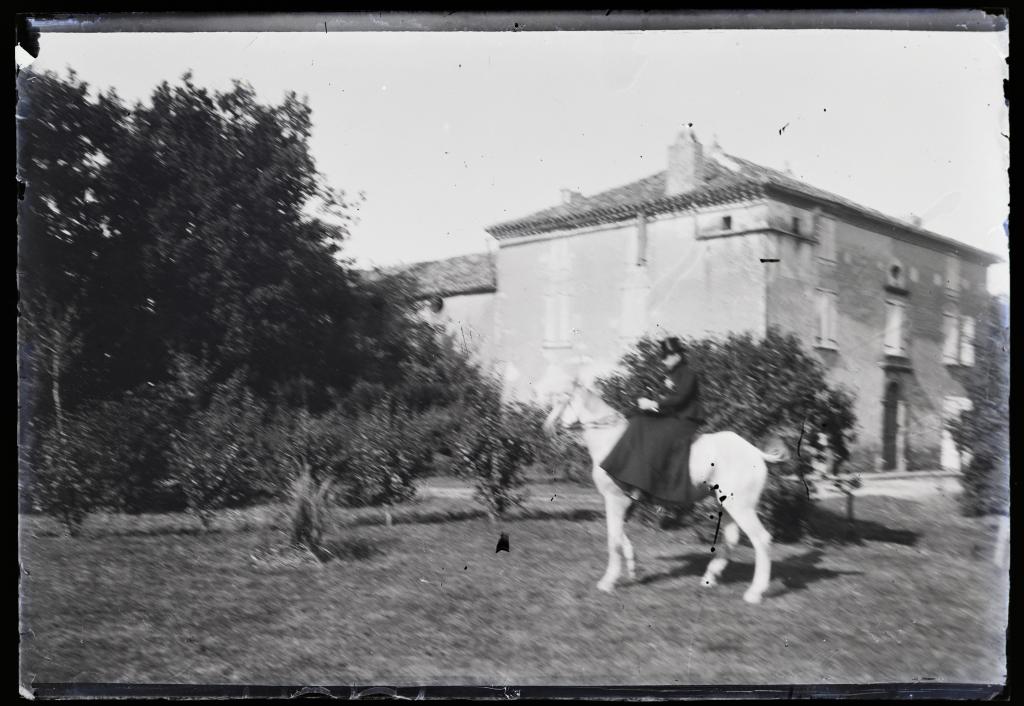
{"points": [[672, 346]]}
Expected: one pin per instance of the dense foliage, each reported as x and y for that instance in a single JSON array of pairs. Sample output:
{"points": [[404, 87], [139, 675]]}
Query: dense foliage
{"points": [[983, 432], [191, 227]]}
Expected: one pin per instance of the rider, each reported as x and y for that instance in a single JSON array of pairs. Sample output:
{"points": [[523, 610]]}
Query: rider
{"points": [[653, 456]]}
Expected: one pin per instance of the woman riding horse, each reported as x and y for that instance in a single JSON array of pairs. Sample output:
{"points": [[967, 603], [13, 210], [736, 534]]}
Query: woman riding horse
{"points": [[652, 458]]}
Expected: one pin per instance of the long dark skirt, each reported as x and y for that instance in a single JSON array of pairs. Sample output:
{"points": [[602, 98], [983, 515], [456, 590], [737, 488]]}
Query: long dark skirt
{"points": [[653, 456]]}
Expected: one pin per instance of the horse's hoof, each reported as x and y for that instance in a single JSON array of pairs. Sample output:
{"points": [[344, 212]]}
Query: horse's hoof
{"points": [[708, 583], [752, 597], [606, 587]]}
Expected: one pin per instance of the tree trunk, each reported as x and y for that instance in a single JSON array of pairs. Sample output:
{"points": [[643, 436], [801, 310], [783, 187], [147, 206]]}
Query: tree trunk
{"points": [[58, 412]]}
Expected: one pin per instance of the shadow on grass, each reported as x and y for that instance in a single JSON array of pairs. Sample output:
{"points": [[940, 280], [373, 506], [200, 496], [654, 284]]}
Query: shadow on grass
{"points": [[795, 573], [833, 527], [354, 549]]}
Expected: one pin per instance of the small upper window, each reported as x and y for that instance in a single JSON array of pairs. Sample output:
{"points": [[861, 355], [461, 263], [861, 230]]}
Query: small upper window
{"points": [[796, 224], [896, 276], [726, 222]]}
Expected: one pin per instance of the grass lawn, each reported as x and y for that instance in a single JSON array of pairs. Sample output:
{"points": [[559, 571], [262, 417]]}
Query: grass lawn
{"points": [[434, 604]]}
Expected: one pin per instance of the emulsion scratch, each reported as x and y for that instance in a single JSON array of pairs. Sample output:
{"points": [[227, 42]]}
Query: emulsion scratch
{"points": [[718, 526]]}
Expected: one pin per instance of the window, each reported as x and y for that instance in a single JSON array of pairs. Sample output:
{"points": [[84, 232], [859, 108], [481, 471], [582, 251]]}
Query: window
{"points": [[556, 319], [634, 311], [967, 340], [952, 273], [896, 277], [558, 255], [827, 239], [895, 325], [726, 222], [958, 338], [796, 224], [951, 337], [826, 335]]}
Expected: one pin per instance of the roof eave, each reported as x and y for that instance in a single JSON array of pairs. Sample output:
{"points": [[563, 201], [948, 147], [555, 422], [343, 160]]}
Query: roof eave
{"points": [[669, 204], [982, 256]]}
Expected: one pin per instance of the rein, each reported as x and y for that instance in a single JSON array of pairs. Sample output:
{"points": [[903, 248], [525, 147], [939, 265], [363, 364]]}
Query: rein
{"points": [[609, 421]]}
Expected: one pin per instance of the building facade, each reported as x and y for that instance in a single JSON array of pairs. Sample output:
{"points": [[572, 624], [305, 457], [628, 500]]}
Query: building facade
{"points": [[716, 244], [459, 294]]}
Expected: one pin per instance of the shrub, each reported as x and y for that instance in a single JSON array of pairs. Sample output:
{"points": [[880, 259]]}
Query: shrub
{"points": [[764, 389], [309, 510], [70, 481], [382, 458], [786, 507], [495, 448], [561, 457], [218, 451]]}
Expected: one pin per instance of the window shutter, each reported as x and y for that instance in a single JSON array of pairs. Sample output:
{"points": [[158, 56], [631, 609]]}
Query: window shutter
{"points": [[893, 328], [967, 341], [564, 330], [951, 341], [904, 328], [827, 239], [549, 318], [822, 305], [952, 273], [833, 318]]}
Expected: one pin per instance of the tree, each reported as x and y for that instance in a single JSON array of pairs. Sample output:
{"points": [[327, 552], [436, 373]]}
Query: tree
{"points": [[196, 222], [983, 431]]}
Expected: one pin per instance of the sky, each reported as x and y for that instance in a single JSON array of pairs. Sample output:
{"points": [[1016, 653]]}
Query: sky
{"points": [[447, 133]]}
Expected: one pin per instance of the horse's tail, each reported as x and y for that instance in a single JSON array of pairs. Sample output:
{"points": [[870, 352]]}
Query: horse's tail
{"points": [[777, 449], [774, 456]]}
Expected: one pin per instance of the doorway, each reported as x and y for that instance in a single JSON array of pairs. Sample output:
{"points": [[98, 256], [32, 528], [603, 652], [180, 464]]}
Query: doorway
{"points": [[892, 422]]}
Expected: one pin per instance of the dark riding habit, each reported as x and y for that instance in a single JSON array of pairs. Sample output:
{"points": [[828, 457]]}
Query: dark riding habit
{"points": [[653, 454]]}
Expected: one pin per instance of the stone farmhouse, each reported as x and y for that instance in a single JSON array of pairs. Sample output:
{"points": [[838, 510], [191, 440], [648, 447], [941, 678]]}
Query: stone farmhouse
{"points": [[715, 244]]}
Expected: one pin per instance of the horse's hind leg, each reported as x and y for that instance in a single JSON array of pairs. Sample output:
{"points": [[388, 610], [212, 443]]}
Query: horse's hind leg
{"points": [[615, 505], [748, 521], [731, 534], [627, 551]]}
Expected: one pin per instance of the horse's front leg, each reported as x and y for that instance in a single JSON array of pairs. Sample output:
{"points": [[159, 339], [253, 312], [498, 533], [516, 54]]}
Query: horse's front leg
{"points": [[615, 505]]}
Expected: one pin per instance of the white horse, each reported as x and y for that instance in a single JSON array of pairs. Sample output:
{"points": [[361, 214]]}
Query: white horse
{"points": [[723, 462]]}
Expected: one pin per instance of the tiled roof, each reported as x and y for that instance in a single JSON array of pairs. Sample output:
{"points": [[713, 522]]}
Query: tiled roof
{"points": [[720, 186], [740, 181], [465, 274]]}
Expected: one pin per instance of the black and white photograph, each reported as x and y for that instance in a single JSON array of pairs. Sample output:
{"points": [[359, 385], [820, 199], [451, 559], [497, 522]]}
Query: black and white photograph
{"points": [[588, 355]]}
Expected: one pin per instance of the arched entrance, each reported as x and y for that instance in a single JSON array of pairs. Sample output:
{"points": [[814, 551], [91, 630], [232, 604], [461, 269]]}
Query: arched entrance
{"points": [[892, 427]]}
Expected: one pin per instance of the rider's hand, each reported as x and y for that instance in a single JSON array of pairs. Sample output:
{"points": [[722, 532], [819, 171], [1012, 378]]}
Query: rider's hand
{"points": [[646, 404]]}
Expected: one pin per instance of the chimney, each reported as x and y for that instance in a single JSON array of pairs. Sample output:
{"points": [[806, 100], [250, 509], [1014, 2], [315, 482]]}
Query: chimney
{"points": [[685, 164], [915, 220], [569, 196]]}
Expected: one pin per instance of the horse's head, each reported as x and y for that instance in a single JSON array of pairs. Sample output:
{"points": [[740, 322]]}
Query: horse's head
{"points": [[579, 403]]}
